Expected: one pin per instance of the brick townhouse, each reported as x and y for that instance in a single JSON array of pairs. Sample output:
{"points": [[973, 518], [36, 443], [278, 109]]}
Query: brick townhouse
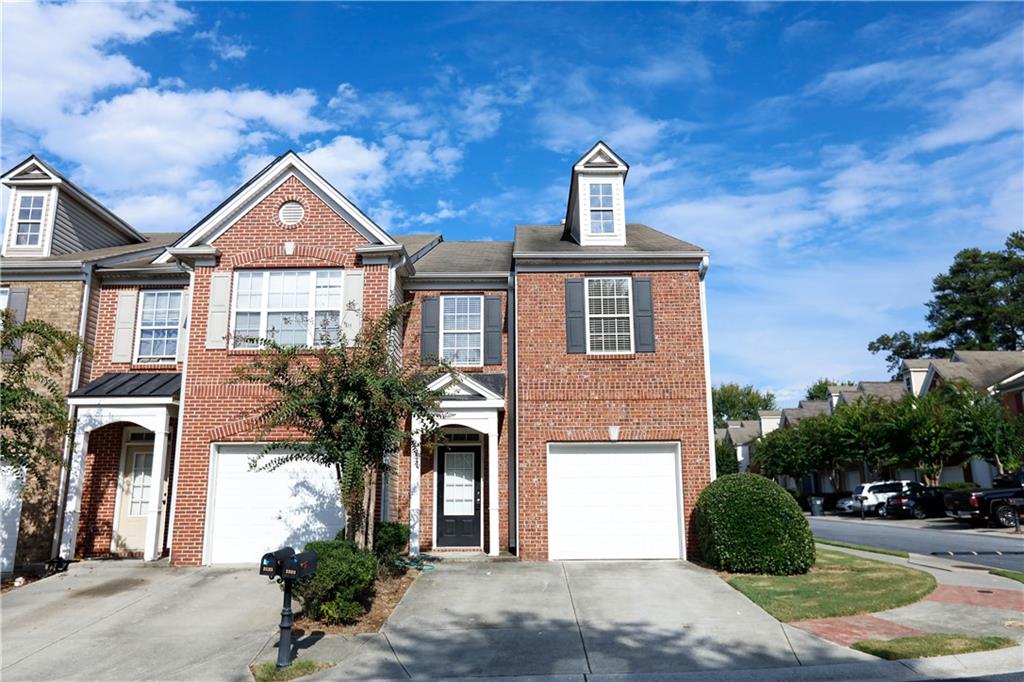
{"points": [[576, 423]]}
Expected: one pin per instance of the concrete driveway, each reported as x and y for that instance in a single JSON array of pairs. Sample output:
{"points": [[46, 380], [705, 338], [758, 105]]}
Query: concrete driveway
{"points": [[124, 620], [513, 619]]}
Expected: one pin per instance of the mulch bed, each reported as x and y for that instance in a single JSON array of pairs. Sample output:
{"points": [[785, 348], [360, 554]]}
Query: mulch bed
{"points": [[389, 591]]}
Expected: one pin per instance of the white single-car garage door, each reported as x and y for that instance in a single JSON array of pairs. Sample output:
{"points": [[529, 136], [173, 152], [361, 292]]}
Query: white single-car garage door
{"points": [[253, 512], [614, 501]]}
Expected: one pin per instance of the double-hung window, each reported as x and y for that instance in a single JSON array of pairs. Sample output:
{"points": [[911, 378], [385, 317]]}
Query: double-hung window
{"points": [[609, 309], [30, 220], [462, 330], [602, 219], [159, 326], [289, 307]]}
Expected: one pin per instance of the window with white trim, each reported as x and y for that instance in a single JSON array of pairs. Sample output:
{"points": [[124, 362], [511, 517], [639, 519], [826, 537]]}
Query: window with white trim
{"points": [[30, 220], [159, 326], [602, 216], [142, 482], [462, 330], [609, 308], [290, 307]]}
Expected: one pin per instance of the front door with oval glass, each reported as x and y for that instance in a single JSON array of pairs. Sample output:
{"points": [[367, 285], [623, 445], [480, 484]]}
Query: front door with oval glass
{"points": [[137, 493], [458, 496]]}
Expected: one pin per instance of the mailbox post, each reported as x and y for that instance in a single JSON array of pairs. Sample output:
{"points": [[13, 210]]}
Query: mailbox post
{"points": [[287, 567]]}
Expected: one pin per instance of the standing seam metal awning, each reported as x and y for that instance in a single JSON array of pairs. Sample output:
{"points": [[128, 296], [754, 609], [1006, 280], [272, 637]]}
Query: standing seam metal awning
{"points": [[132, 385]]}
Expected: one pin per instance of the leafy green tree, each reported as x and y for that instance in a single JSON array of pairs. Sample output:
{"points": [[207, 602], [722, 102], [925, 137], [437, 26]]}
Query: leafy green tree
{"points": [[997, 436], [819, 389], [782, 453], [344, 407], [732, 401], [976, 305], [934, 428], [725, 458], [33, 404]]}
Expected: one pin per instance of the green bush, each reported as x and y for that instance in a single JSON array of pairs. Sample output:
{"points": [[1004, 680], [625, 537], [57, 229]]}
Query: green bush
{"points": [[747, 523], [390, 541], [960, 485], [342, 588]]}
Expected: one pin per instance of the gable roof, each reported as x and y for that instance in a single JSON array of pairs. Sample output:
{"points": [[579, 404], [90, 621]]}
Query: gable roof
{"points": [[984, 368], [601, 159], [546, 241], [807, 408], [742, 432], [252, 191], [33, 171], [418, 244], [890, 390]]}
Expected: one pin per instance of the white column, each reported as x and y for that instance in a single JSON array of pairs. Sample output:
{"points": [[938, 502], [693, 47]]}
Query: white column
{"points": [[155, 511], [493, 515], [414, 490], [73, 505]]}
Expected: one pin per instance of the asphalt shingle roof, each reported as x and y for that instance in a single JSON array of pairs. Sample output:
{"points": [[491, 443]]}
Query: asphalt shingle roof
{"points": [[414, 242], [458, 257], [742, 432], [983, 368], [640, 239], [890, 390]]}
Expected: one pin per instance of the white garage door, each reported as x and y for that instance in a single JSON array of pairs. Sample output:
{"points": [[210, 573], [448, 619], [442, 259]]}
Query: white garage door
{"points": [[614, 501], [252, 512]]}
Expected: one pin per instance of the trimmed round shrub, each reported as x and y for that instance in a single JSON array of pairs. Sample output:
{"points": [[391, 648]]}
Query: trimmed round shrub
{"points": [[342, 588], [390, 541], [747, 523]]}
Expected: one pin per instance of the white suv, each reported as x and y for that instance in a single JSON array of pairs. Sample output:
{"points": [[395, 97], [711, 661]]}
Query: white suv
{"points": [[872, 496]]}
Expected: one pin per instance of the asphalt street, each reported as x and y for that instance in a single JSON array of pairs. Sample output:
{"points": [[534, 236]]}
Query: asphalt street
{"points": [[927, 541]]}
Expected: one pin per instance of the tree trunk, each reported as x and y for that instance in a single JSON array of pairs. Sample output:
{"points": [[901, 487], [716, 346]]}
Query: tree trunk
{"points": [[371, 509]]}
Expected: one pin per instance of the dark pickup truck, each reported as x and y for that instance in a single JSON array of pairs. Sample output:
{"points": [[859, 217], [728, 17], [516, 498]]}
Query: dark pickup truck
{"points": [[1001, 504]]}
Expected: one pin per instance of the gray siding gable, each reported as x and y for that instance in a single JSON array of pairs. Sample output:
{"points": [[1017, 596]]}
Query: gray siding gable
{"points": [[76, 229]]}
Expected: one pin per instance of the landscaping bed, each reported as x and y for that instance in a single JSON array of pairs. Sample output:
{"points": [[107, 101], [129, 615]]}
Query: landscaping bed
{"points": [[839, 584], [387, 592], [925, 646]]}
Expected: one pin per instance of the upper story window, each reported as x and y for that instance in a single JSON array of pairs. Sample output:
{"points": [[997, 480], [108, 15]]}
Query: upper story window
{"points": [[290, 307], [30, 220], [602, 218], [609, 309], [159, 326], [462, 330]]}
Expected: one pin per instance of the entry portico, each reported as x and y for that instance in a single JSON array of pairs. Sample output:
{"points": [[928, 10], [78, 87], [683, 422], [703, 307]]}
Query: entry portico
{"points": [[135, 399], [472, 403]]}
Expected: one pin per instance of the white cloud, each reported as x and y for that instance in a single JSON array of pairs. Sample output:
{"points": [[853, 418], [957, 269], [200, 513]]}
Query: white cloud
{"points": [[682, 66], [445, 211], [980, 114], [624, 128], [226, 47], [354, 166], [804, 30]]}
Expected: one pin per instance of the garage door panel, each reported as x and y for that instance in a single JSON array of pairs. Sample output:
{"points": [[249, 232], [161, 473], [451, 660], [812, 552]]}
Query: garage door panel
{"points": [[614, 501], [257, 511]]}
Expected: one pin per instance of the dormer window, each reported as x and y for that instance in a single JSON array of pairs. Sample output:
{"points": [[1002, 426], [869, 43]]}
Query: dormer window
{"points": [[602, 217], [30, 220]]}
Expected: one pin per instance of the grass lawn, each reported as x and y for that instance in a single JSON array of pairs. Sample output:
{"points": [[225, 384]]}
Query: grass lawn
{"points": [[268, 672], [1012, 575], [839, 584], [863, 548], [924, 646]]}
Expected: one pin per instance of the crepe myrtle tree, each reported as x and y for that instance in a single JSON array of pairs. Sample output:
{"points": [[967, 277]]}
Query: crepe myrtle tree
{"points": [[33, 405], [344, 405]]}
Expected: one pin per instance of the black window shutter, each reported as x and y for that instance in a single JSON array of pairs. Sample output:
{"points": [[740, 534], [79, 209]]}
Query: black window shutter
{"points": [[575, 317], [643, 315], [17, 303], [429, 330], [492, 330]]}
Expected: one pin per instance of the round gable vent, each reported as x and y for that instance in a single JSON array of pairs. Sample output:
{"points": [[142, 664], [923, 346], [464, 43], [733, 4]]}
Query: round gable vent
{"points": [[291, 212]]}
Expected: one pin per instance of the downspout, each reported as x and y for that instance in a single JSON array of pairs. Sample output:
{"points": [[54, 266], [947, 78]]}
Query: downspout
{"points": [[704, 264], [513, 422], [385, 484], [65, 467], [179, 427]]}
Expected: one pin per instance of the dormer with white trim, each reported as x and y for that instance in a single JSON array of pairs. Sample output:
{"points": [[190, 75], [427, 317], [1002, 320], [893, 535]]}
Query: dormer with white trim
{"points": [[48, 215], [596, 214]]}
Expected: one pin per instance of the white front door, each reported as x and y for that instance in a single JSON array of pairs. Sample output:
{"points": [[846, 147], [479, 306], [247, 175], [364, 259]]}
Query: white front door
{"points": [[137, 493], [614, 501], [253, 512]]}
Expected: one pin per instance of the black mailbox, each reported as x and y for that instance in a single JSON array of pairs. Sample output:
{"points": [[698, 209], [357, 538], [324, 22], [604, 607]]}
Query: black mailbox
{"points": [[273, 562], [299, 566]]}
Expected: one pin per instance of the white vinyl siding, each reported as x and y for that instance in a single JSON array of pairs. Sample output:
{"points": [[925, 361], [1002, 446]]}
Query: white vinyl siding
{"points": [[462, 330], [609, 314], [290, 307], [159, 326]]}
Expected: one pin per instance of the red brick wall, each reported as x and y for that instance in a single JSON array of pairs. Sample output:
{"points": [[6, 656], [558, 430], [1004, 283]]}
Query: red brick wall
{"points": [[99, 490], [102, 341], [575, 397], [216, 408], [399, 508]]}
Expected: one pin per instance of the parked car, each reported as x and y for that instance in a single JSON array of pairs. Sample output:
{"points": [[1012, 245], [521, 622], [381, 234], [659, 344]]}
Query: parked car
{"points": [[1000, 505], [872, 496], [919, 503], [847, 505]]}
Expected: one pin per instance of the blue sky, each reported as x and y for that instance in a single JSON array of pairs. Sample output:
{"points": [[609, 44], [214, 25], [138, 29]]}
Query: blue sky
{"points": [[832, 157]]}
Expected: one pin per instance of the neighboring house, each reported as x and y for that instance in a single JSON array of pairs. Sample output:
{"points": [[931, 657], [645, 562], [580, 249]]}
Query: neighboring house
{"points": [[997, 372], [791, 416], [742, 434], [57, 241], [577, 425]]}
